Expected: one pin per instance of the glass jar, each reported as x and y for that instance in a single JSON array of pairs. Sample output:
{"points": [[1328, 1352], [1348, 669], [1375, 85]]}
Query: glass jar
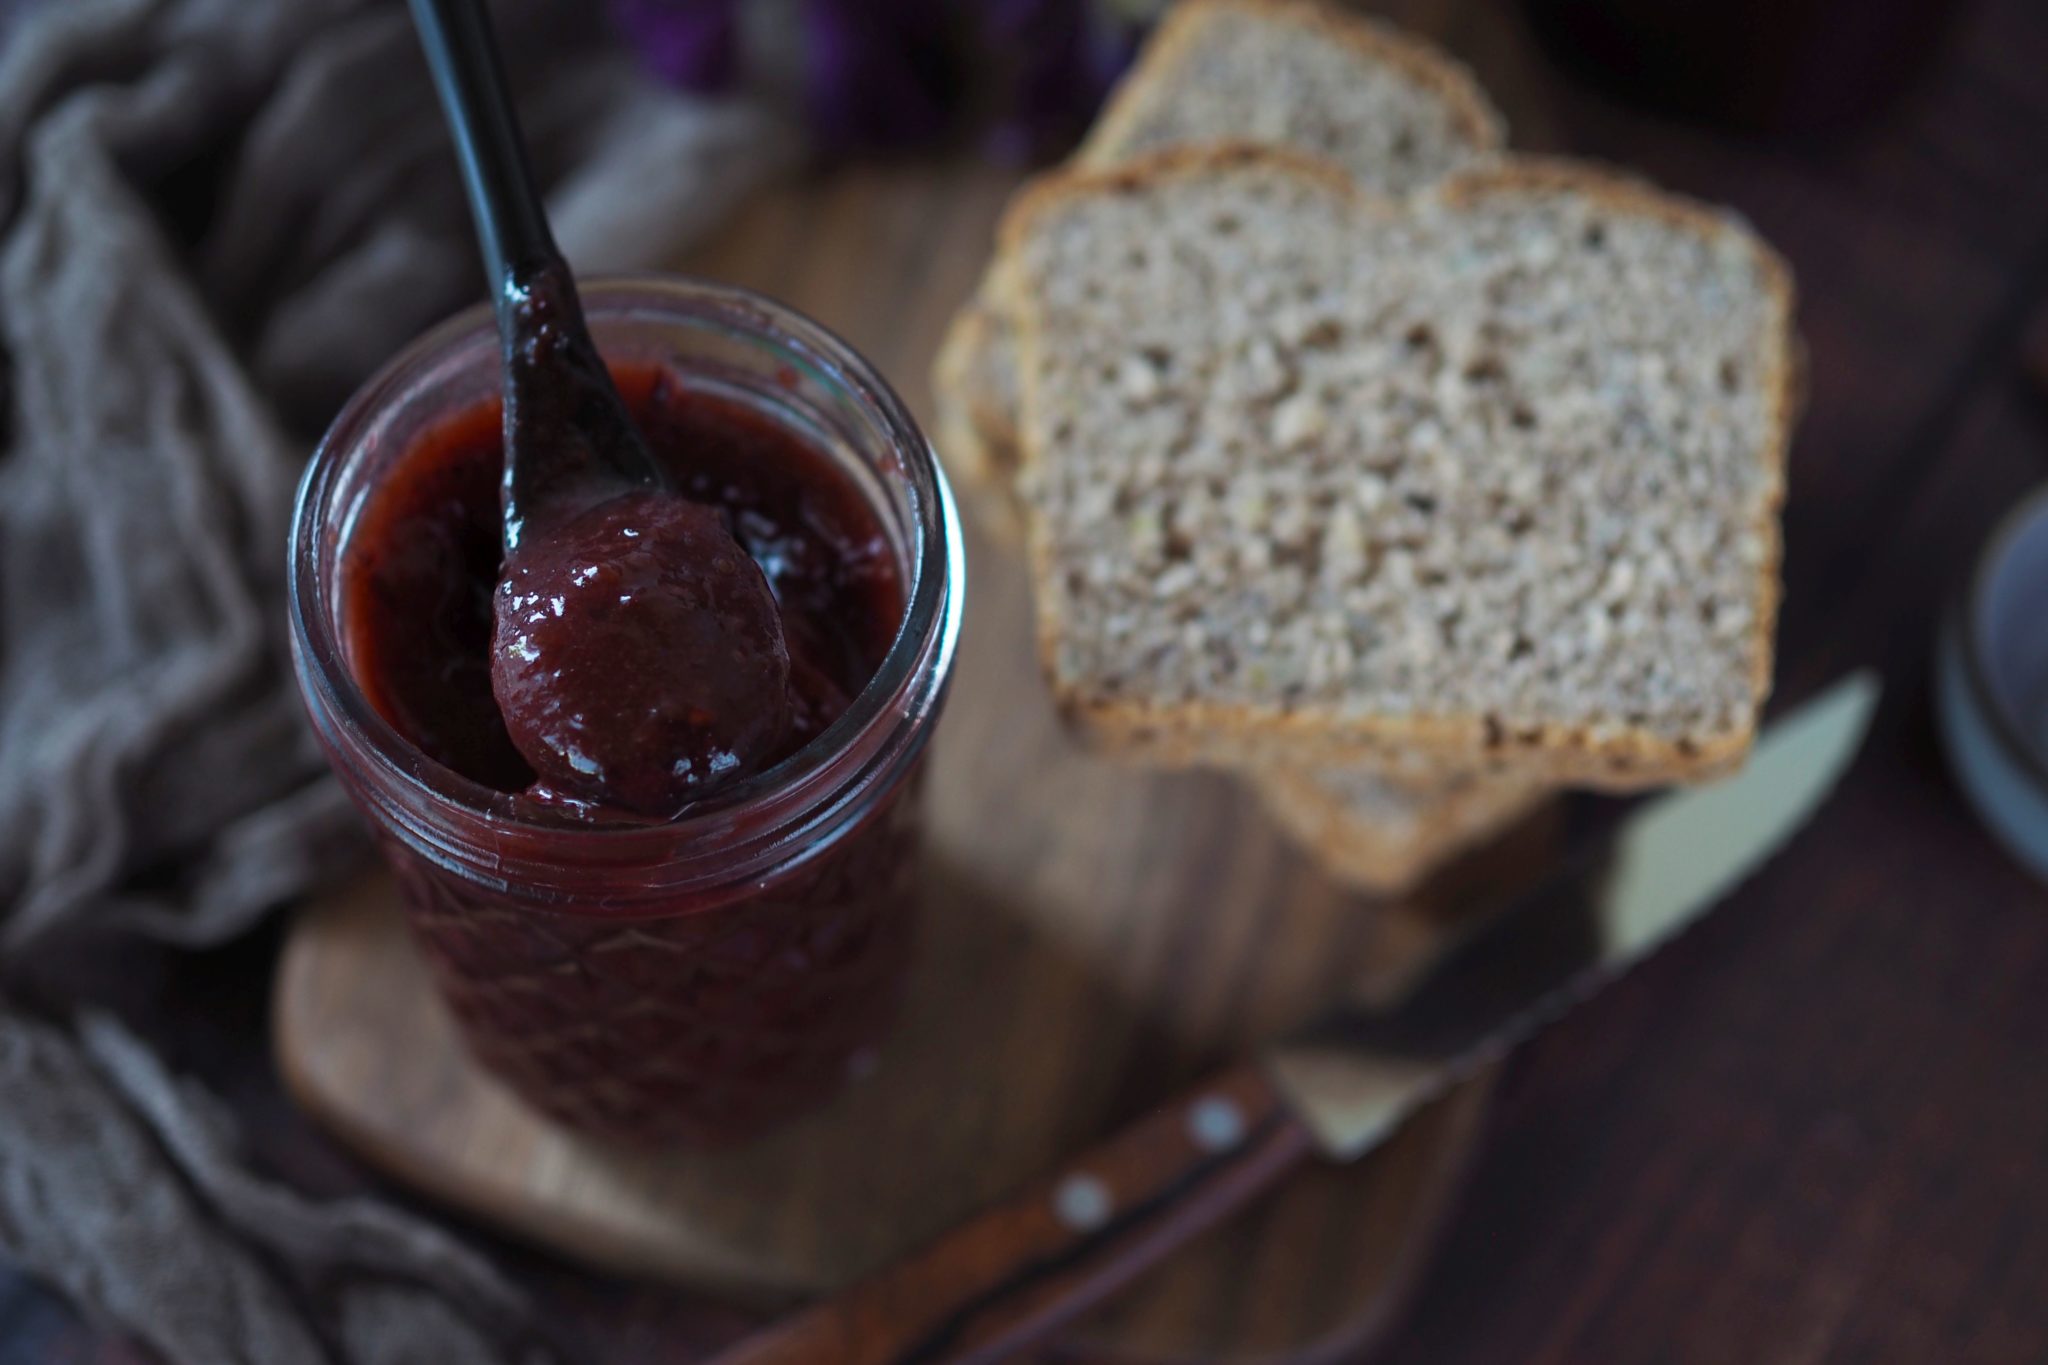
{"points": [[699, 980]]}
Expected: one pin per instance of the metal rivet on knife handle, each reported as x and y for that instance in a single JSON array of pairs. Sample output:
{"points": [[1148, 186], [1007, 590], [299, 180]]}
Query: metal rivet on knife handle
{"points": [[1083, 1203], [1215, 1124]]}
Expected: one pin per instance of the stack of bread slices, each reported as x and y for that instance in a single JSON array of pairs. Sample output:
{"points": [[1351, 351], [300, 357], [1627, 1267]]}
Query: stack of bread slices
{"points": [[1411, 479]]}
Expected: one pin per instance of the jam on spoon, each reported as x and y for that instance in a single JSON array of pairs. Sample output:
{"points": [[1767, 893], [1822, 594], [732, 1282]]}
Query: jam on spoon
{"points": [[638, 654]]}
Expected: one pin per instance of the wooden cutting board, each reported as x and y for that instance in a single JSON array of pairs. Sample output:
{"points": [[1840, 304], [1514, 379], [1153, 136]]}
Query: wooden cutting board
{"points": [[1092, 936]]}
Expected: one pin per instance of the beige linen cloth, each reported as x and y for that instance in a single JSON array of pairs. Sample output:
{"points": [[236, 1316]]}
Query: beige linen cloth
{"points": [[216, 217]]}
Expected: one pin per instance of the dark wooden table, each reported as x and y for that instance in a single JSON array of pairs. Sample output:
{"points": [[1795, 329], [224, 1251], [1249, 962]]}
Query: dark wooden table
{"points": [[1816, 1130]]}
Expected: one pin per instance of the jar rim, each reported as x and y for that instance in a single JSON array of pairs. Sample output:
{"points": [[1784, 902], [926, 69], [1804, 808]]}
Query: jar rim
{"points": [[457, 819]]}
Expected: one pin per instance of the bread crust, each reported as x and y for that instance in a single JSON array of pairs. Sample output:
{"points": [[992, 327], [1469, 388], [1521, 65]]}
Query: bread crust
{"points": [[953, 393], [973, 427], [975, 430], [1428, 65], [1612, 757], [1363, 854]]}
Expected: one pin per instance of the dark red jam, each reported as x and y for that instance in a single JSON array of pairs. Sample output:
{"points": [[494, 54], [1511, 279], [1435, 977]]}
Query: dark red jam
{"points": [[424, 558], [618, 1008], [639, 658]]}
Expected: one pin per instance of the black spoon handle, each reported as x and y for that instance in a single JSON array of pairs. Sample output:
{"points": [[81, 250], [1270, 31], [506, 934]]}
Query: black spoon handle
{"points": [[511, 225], [569, 442]]}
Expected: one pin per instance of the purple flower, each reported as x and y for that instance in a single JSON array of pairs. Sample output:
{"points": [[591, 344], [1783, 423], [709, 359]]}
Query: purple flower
{"points": [[906, 73], [882, 73], [1064, 56], [694, 44]]}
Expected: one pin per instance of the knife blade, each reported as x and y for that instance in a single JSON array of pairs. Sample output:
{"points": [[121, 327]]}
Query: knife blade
{"points": [[1018, 1270], [1355, 1073]]}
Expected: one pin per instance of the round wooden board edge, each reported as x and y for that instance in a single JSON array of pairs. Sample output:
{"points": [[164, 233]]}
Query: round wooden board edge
{"points": [[592, 1246], [481, 1201]]}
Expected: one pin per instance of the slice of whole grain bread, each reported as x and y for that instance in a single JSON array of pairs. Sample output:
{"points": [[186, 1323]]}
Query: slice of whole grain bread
{"points": [[1384, 837], [1398, 114], [1395, 112], [1486, 480]]}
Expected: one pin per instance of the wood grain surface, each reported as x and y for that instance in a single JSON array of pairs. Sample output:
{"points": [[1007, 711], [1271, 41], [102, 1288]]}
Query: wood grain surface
{"points": [[1019, 1272], [986, 1082], [1814, 1131], [882, 254]]}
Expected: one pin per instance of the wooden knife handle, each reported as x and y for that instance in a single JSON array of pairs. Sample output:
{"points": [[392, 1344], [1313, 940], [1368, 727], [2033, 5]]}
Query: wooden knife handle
{"points": [[1016, 1271]]}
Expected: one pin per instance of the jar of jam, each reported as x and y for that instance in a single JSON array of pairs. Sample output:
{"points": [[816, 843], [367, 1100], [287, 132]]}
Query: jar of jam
{"points": [[693, 979]]}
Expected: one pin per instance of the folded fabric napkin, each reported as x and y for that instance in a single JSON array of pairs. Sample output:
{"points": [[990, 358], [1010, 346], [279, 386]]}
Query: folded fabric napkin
{"points": [[209, 234], [127, 1190]]}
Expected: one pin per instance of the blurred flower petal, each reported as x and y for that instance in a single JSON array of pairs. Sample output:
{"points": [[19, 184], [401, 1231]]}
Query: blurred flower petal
{"points": [[694, 44], [892, 74]]}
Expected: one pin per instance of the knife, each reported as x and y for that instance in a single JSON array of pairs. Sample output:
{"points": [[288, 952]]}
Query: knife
{"points": [[1020, 1269]]}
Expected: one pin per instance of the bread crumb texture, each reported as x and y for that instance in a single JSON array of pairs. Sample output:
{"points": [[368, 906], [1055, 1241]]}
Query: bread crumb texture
{"points": [[1392, 110], [1500, 466]]}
